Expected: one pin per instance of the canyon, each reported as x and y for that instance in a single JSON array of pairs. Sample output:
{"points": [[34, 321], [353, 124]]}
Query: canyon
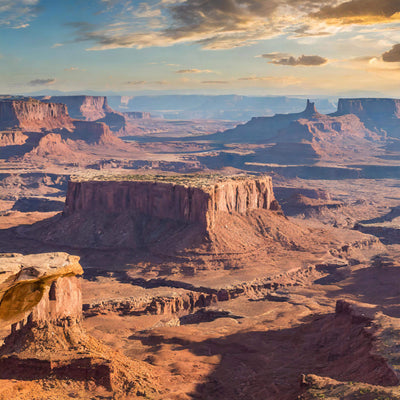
{"points": [[176, 259]]}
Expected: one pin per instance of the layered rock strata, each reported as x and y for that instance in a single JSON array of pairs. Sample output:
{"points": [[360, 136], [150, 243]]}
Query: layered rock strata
{"points": [[33, 115], [169, 200], [50, 344], [41, 286]]}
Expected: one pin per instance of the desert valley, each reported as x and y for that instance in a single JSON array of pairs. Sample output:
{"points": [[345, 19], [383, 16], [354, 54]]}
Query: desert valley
{"points": [[147, 256]]}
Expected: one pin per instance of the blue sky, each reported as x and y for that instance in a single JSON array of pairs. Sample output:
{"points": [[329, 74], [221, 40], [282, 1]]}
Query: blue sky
{"points": [[207, 46]]}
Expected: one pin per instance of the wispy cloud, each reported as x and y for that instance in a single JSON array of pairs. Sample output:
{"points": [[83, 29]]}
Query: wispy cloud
{"points": [[194, 71], [40, 82], [135, 83], [215, 82], [16, 14], [279, 81]]}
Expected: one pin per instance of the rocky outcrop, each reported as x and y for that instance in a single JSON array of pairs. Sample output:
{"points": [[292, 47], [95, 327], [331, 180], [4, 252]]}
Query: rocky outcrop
{"points": [[33, 115], [52, 146], [42, 286], [379, 109], [90, 108], [263, 129], [51, 343], [169, 200], [12, 138], [94, 133], [380, 115]]}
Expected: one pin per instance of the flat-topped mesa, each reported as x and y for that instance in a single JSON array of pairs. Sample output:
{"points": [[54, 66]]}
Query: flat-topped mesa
{"points": [[370, 108], [39, 287], [185, 199], [89, 108], [33, 115]]}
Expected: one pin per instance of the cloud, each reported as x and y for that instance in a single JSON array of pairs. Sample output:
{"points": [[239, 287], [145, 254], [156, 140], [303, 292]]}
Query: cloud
{"points": [[38, 82], [360, 11], [17, 13], [215, 82], [393, 55], [286, 59], [194, 71], [226, 24], [134, 83], [213, 24], [273, 80], [55, 45]]}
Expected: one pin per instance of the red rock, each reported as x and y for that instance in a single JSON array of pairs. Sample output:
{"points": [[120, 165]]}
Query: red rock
{"points": [[33, 115], [170, 200]]}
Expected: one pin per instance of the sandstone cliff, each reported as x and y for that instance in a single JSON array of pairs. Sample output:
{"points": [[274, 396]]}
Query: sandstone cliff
{"points": [[380, 115], [25, 283], [33, 115], [171, 215], [94, 133], [90, 108], [12, 138], [370, 108], [169, 200], [50, 344]]}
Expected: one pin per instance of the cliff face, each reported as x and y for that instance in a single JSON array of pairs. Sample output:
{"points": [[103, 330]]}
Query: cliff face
{"points": [[41, 285], [33, 115], [370, 108], [171, 201], [12, 138], [94, 133], [380, 115], [51, 343], [89, 108]]}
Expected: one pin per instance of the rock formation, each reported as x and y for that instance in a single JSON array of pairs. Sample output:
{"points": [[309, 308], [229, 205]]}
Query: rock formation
{"points": [[185, 202], [28, 283], [94, 133], [380, 115], [33, 115], [175, 215], [12, 138], [305, 137], [32, 129], [380, 109], [90, 108], [50, 343]]}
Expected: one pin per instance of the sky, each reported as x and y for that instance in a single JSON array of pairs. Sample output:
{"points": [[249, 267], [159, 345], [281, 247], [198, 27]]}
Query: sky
{"points": [[259, 47]]}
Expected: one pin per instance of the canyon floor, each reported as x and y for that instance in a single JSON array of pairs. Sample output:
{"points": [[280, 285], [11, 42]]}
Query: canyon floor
{"points": [[265, 326]]}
